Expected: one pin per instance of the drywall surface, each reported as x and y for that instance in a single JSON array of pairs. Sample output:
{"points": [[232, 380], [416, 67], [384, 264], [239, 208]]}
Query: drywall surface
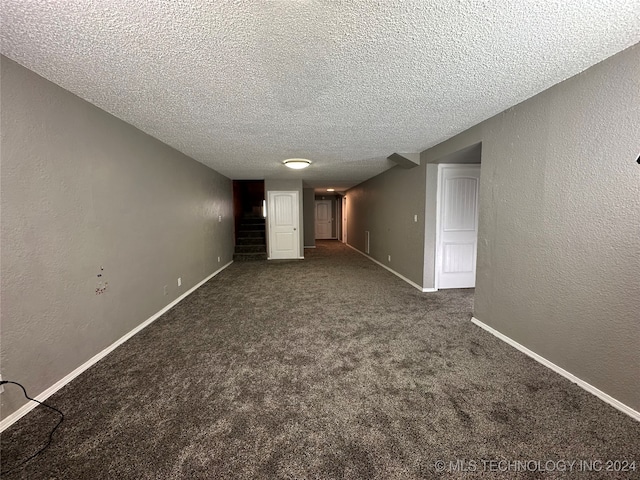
{"points": [[97, 217], [309, 214], [385, 206], [559, 235], [430, 221], [286, 185]]}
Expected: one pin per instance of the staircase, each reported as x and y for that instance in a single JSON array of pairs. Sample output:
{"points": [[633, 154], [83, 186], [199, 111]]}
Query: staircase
{"points": [[251, 243]]}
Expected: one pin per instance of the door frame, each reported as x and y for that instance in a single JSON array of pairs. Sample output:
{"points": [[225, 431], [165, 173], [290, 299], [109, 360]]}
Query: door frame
{"points": [[296, 219], [439, 200], [344, 220]]}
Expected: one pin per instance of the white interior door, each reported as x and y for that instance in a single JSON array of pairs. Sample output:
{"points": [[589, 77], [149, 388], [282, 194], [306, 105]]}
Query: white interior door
{"points": [[283, 224], [324, 219], [457, 225]]}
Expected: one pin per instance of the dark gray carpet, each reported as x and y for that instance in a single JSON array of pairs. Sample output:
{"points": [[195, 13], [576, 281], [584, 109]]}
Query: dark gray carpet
{"points": [[326, 368]]}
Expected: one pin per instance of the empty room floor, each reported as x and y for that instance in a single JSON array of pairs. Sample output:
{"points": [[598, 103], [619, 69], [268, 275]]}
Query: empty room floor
{"points": [[327, 368]]}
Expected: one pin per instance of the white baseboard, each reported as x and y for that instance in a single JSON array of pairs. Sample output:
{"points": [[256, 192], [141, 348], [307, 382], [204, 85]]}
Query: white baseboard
{"points": [[410, 282], [569, 376], [309, 246], [22, 411], [292, 258]]}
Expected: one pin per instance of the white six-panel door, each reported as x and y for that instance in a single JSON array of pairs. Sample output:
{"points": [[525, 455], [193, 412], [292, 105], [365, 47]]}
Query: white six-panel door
{"points": [[283, 224], [457, 225]]}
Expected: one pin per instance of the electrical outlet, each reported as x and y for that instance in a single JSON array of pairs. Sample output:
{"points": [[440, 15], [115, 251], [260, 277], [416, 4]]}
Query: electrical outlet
{"points": [[389, 257], [166, 290], [218, 259], [219, 218], [1, 386], [179, 281], [415, 218]]}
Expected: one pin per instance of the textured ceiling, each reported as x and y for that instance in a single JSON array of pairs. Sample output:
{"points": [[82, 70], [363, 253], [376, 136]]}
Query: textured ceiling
{"points": [[242, 85]]}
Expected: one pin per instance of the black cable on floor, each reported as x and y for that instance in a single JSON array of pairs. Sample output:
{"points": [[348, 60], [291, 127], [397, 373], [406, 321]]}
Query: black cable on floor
{"points": [[50, 434]]}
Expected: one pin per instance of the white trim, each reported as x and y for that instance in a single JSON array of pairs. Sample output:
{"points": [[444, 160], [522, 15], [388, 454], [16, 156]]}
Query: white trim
{"points": [[569, 376], [410, 282], [294, 258], [309, 246], [22, 411]]}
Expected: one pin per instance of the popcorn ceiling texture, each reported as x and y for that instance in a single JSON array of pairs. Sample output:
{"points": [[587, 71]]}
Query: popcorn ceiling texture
{"points": [[240, 86]]}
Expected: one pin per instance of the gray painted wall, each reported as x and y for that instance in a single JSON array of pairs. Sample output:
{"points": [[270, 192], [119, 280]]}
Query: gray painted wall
{"points": [[80, 190], [430, 217], [559, 237], [309, 217], [385, 206], [287, 185]]}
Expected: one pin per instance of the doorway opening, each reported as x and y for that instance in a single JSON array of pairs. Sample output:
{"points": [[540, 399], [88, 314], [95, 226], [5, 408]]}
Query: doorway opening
{"points": [[451, 220], [284, 225], [457, 225], [249, 222], [324, 220], [328, 217]]}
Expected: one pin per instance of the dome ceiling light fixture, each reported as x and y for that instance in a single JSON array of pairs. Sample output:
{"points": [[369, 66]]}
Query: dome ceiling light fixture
{"points": [[297, 163]]}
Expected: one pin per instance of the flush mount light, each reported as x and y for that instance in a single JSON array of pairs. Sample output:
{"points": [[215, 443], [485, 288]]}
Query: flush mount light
{"points": [[331, 189], [297, 163]]}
